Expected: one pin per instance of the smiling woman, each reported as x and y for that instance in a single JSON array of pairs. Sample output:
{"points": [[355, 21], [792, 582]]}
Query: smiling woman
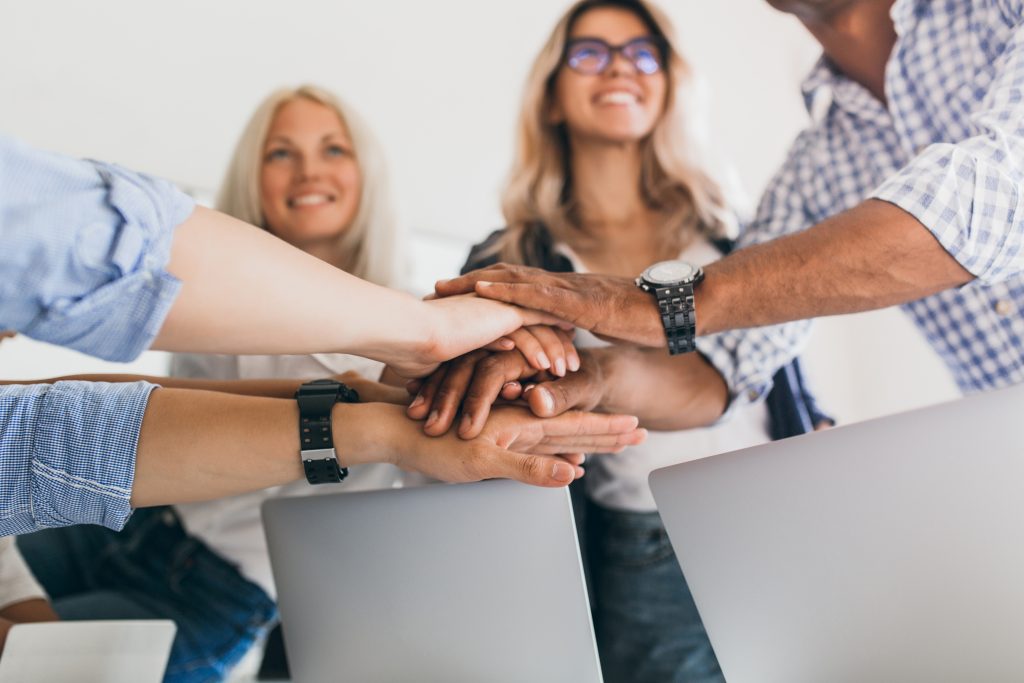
{"points": [[308, 169]]}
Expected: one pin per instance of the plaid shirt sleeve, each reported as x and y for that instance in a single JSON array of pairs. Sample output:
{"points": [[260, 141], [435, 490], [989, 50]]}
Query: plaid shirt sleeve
{"points": [[67, 453], [85, 246], [970, 193], [748, 359]]}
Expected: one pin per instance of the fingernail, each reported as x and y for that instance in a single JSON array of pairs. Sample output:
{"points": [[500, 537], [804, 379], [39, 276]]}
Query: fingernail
{"points": [[547, 401], [560, 367], [432, 418], [579, 472], [484, 283], [563, 471], [507, 343], [543, 360], [442, 282], [528, 388], [465, 425], [417, 402], [574, 363]]}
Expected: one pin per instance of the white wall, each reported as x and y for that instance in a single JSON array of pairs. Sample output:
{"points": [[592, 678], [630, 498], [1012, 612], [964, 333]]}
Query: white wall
{"points": [[166, 87]]}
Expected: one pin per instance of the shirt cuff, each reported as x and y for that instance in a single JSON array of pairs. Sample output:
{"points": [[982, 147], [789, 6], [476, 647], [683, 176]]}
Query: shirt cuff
{"points": [[121, 318]]}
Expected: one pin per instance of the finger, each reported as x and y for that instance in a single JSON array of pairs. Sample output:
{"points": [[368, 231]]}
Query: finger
{"points": [[538, 470], [512, 391], [572, 356], [502, 344], [531, 295], [577, 423], [553, 343], [420, 406], [464, 284], [576, 390], [589, 443], [451, 391], [529, 345], [492, 375], [413, 386]]}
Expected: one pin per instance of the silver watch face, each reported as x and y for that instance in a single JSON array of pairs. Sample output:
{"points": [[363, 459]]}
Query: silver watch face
{"points": [[670, 272]]}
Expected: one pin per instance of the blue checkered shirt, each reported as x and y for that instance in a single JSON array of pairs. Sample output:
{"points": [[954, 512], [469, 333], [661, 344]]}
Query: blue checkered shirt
{"points": [[948, 148], [82, 264]]}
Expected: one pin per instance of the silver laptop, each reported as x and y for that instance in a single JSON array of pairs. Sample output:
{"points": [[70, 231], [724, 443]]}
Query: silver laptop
{"points": [[465, 583], [890, 550], [87, 652]]}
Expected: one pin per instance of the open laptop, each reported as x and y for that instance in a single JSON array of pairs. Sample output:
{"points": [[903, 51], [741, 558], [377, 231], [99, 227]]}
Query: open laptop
{"points": [[446, 583], [87, 652], [890, 550]]}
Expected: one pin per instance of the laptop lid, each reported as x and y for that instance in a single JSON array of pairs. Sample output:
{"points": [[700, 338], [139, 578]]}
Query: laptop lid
{"points": [[447, 583], [87, 652], [890, 550]]}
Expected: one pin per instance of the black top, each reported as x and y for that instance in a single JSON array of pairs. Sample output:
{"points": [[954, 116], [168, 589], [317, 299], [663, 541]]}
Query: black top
{"points": [[791, 406]]}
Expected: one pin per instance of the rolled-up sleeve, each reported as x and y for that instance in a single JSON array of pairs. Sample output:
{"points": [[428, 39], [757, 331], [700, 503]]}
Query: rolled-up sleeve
{"points": [[67, 453], [970, 194], [85, 250]]}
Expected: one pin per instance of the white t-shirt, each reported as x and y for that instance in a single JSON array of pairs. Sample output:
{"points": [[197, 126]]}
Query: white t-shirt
{"points": [[232, 526], [16, 581], [619, 481]]}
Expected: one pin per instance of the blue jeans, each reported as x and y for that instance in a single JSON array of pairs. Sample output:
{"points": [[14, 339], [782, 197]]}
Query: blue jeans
{"points": [[647, 627], [154, 570]]}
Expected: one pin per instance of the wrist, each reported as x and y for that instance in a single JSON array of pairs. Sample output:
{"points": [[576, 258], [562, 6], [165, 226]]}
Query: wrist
{"points": [[368, 432]]}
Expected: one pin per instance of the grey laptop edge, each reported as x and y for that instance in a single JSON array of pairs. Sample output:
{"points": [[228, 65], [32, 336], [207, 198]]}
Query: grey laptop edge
{"points": [[472, 582], [889, 550]]}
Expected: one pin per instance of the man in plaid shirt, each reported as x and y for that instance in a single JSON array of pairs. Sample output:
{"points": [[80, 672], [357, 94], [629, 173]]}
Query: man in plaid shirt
{"points": [[907, 188]]}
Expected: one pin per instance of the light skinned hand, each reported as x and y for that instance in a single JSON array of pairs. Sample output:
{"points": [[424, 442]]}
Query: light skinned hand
{"points": [[514, 444]]}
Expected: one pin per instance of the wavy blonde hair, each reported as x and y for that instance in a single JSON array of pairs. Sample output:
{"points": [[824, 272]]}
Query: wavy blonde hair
{"points": [[673, 179], [371, 242]]}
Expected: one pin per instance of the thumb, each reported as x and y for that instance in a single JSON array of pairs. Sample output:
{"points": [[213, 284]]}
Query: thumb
{"points": [[537, 470], [549, 399]]}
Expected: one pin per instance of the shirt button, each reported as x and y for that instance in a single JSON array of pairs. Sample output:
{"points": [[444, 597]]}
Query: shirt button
{"points": [[1004, 307], [752, 394]]}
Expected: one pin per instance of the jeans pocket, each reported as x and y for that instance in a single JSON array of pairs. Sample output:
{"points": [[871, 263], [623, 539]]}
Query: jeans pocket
{"points": [[630, 539]]}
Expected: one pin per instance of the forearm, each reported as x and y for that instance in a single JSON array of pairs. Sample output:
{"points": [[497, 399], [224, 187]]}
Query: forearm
{"points": [[232, 299], [873, 256], [664, 392]]}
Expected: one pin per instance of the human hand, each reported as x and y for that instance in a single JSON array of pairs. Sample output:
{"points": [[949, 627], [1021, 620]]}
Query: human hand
{"points": [[514, 444], [7, 334], [611, 307], [461, 324], [477, 380]]}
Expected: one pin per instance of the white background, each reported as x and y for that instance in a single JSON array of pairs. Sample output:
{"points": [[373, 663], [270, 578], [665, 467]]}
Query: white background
{"points": [[166, 87]]}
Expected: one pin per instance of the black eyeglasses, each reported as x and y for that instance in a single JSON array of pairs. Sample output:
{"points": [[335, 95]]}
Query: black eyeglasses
{"points": [[592, 56]]}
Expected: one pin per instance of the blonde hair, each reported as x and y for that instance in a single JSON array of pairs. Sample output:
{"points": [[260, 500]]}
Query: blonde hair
{"points": [[673, 179], [371, 242]]}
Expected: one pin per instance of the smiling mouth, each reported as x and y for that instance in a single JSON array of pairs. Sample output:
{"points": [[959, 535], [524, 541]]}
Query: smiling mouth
{"points": [[309, 200], [618, 97]]}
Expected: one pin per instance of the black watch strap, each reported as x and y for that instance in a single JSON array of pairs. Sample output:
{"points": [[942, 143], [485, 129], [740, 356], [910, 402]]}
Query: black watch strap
{"points": [[316, 440], [676, 307]]}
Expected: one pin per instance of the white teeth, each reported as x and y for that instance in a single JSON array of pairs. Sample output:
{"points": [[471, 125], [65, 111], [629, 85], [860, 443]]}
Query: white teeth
{"points": [[618, 97], [310, 200]]}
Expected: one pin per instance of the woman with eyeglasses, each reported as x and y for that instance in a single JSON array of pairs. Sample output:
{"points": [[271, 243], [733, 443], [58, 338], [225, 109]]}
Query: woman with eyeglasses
{"points": [[607, 180]]}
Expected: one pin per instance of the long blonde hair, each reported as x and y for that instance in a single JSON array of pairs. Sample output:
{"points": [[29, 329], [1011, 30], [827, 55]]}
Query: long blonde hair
{"points": [[673, 179], [371, 243]]}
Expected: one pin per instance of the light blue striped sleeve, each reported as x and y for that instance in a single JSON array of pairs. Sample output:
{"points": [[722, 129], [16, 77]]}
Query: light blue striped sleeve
{"points": [[67, 453], [85, 250]]}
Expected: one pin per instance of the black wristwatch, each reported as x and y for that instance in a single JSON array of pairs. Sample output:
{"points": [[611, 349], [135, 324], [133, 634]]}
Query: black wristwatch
{"points": [[672, 283], [316, 441]]}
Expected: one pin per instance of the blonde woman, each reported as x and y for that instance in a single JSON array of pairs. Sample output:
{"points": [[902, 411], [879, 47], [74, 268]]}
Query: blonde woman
{"points": [[608, 180]]}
